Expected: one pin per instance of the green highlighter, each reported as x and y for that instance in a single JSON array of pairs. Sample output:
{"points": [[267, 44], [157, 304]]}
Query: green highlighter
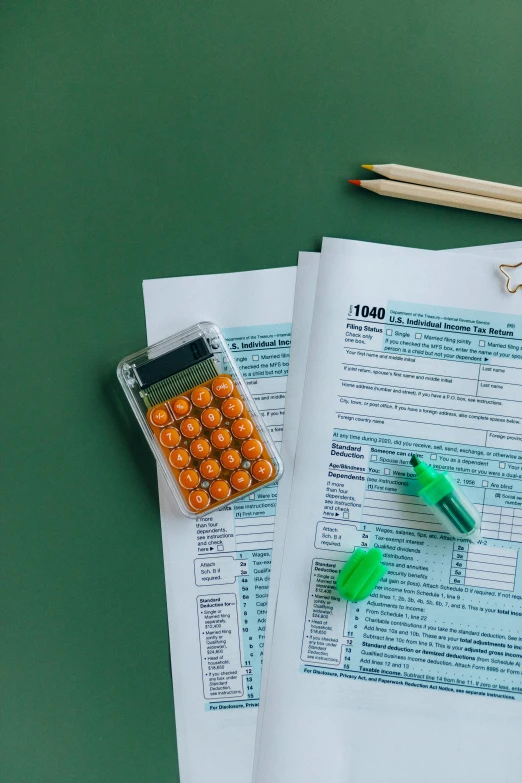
{"points": [[454, 511]]}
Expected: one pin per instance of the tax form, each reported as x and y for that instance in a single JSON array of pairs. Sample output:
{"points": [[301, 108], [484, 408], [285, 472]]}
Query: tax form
{"points": [[217, 568], [314, 676], [306, 283]]}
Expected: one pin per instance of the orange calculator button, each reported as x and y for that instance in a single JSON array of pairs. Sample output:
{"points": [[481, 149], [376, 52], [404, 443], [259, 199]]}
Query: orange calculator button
{"points": [[210, 468], [179, 458], [191, 427], [221, 439], [252, 449], [242, 428], [199, 499], [232, 408], [201, 397], [220, 489], [189, 478], [231, 459], [223, 387], [160, 417], [240, 480], [261, 470], [200, 448], [180, 406], [211, 418], [169, 437]]}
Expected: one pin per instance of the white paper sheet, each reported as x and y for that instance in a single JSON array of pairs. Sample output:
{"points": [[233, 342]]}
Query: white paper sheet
{"points": [[171, 304], [305, 286], [306, 282], [216, 734], [280, 714]]}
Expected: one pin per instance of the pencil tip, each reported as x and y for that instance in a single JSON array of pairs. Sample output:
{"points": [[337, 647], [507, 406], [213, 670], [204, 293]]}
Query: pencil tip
{"points": [[354, 181], [367, 166]]}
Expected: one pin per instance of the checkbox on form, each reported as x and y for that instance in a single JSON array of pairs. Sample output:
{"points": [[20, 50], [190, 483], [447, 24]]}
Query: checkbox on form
{"points": [[418, 335], [482, 343], [389, 332]]}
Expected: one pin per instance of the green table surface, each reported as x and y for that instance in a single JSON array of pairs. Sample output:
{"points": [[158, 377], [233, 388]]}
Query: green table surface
{"points": [[151, 139]]}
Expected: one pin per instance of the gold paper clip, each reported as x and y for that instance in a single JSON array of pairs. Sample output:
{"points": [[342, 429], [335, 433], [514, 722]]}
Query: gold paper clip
{"points": [[502, 268]]}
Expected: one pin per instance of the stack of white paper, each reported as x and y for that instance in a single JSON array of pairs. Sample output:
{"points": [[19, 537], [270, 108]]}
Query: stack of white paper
{"points": [[374, 385]]}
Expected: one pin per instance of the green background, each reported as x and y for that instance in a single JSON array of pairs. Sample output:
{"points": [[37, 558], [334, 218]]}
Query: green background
{"points": [[150, 139]]}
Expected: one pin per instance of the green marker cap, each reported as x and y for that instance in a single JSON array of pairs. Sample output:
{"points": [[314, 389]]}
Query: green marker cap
{"points": [[361, 574]]}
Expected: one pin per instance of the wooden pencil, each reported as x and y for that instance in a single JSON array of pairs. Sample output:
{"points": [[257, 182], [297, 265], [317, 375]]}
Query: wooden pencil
{"points": [[445, 198], [436, 179]]}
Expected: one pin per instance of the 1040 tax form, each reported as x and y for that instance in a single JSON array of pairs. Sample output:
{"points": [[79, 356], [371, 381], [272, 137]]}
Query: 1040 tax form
{"points": [[217, 568], [392, 369]]}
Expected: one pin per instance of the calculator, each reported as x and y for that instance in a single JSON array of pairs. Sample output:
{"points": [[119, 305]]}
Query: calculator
{"points": [[200, 419]]}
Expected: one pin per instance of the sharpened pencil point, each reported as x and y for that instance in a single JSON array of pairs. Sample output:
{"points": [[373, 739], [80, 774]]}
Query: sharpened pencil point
{"points": [[354, 181], [367, 166]]}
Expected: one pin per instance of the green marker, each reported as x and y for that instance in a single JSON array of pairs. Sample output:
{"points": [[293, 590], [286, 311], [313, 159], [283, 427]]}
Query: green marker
{"points": [[454, 511]]}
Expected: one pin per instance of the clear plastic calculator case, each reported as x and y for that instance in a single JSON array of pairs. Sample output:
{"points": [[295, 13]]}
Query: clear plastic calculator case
{"points": [[200, 419]]}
